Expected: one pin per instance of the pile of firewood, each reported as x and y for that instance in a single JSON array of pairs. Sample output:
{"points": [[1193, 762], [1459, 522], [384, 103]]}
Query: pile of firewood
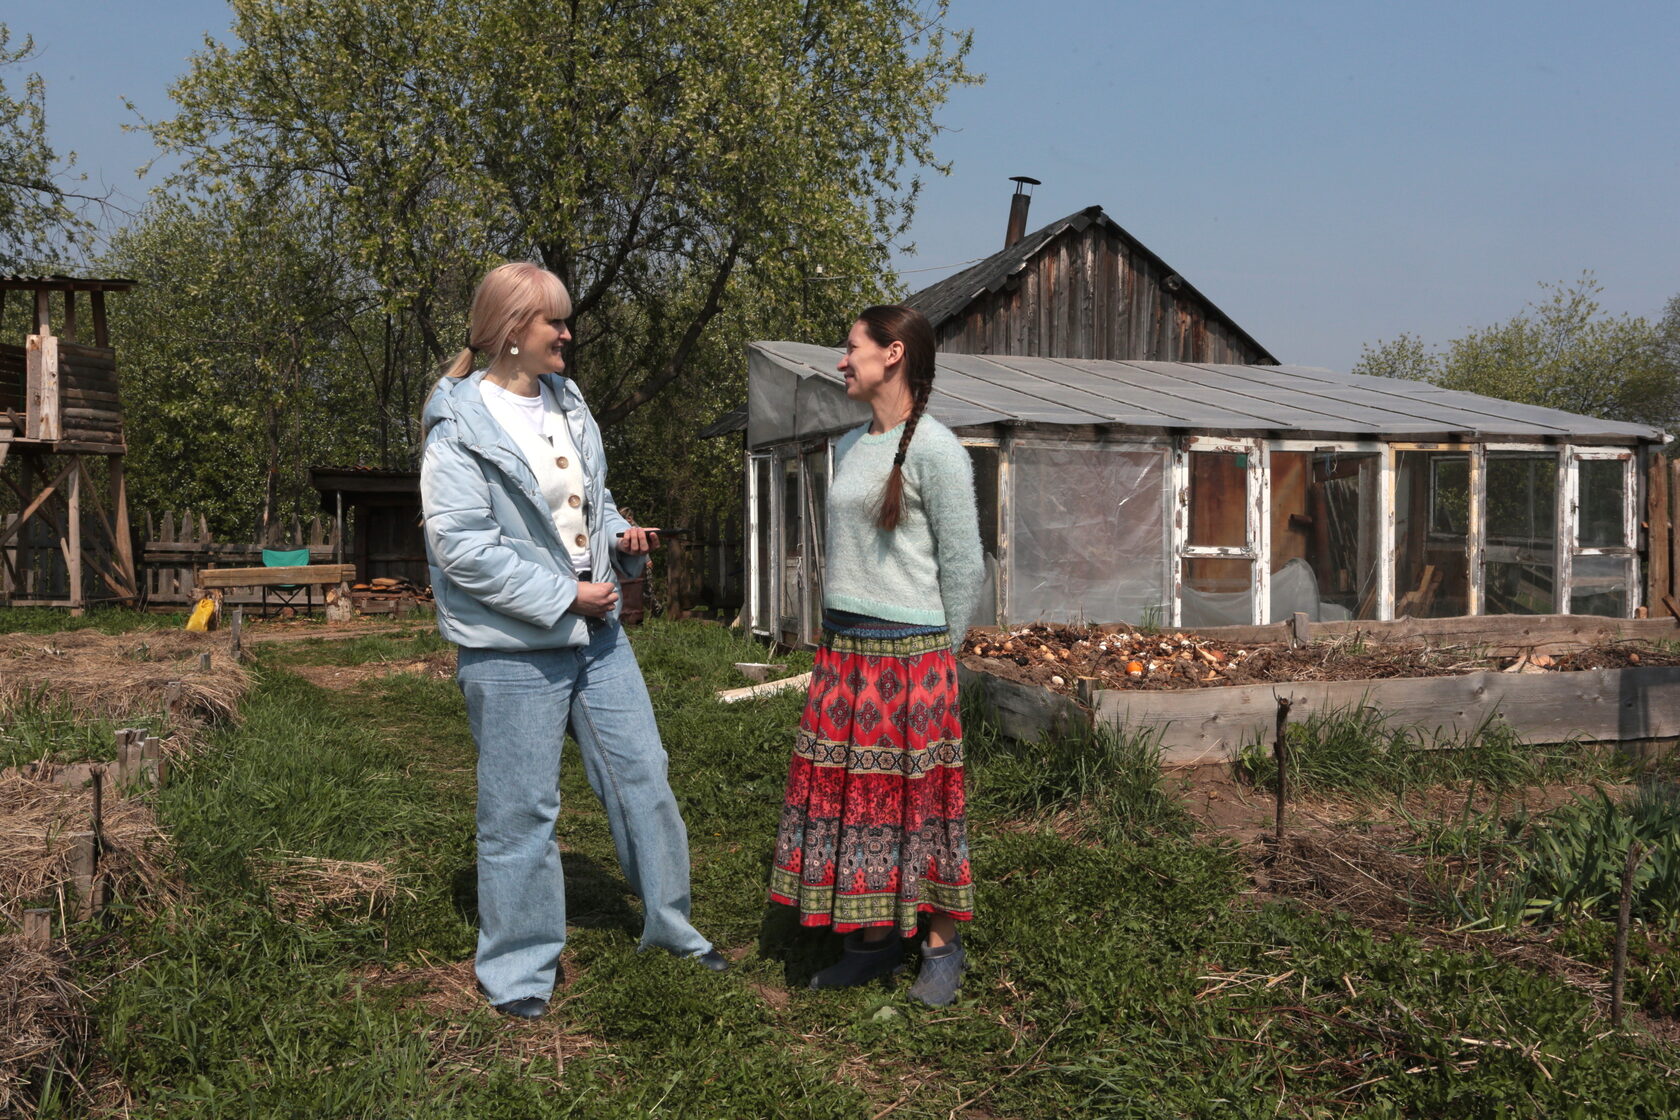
{"points": [[385, 589]]}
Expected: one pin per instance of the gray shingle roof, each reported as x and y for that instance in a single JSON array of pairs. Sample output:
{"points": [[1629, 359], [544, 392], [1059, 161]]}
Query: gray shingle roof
{"points": [[1282, 400]]}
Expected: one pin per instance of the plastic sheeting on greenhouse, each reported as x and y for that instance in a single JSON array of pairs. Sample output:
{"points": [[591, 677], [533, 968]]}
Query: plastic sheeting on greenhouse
{"points": [[1088, 533]]}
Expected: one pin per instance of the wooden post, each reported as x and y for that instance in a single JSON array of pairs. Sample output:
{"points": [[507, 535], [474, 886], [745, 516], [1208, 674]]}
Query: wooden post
{"points": [[119, 513], [1280, 756], [1624, 918], [204, 662], [84, 866], [1657, 534], [41, 406], [153, 765], [97, 776], [1673, 466], [73, 540], [101, 336], [234, 632], [1085, 691], [37, 928], [1300, 629]]}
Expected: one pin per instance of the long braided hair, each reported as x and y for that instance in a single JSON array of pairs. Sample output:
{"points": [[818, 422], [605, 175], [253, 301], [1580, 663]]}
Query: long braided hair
{"points": [[887, 324]]}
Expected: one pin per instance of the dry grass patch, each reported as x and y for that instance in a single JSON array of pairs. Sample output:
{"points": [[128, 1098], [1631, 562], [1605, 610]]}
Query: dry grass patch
{"points": [[303, 886], [119, 676], [343, 678], [448, 994], [36, 819], [42, 1022]]}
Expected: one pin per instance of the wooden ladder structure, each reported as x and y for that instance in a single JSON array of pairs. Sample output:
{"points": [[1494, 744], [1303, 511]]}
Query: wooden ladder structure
{"points": [[66, 541]]}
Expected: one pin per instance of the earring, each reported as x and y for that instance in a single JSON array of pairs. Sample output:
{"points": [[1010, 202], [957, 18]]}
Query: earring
{"points": [[513, 351]]}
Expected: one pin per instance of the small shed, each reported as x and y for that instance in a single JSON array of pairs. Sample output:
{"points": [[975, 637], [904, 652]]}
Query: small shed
{"points": [[1199, 494], [383, 508]]}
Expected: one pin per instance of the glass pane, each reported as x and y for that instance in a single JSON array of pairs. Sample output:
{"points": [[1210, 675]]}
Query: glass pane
{"points": [[1218, 499], [1600, 522], [1088, 535], [1431, 534], [1520, 561], [985, 463], [1599, 586], [762, 564], [1324, 535]]}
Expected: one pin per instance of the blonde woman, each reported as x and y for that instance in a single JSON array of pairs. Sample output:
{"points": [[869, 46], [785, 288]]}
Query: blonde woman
{"points": [[525, 547]]}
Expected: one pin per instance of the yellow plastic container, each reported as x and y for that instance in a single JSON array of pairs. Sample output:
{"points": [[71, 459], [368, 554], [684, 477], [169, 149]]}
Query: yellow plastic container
{"points": [[200, 620]]}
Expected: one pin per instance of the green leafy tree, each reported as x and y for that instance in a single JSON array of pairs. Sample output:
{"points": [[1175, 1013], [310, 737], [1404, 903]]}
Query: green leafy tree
{"points": [[650, 152], [1561, 352], [39, 221], [236, 375]]}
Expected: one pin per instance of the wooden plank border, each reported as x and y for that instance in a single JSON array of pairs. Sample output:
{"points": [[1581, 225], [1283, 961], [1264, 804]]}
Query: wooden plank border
{"points": [[1602, 705]]}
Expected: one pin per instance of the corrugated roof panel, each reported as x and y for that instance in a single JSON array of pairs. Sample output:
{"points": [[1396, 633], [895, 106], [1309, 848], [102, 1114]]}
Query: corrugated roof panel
{"points": [[980, 388]]}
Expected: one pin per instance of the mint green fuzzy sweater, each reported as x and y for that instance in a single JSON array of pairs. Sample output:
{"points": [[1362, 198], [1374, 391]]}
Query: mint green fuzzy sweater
{"points": [[929, 569]]}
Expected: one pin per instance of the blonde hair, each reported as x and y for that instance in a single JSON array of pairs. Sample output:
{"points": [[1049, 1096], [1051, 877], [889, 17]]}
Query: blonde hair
{"points": [[509, 297]]}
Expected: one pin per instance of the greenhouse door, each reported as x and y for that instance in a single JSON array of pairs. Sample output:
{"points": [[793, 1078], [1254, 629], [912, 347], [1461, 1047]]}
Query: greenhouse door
{"points": [[1599, 566], [1222, 529]]}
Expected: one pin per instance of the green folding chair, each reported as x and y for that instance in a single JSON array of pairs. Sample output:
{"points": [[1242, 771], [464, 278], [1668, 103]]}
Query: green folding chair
{"points": [[286, 594]]}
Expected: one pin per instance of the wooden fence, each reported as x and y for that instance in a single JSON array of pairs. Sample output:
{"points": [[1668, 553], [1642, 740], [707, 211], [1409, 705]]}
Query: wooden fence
{"points": [[178, 543]]}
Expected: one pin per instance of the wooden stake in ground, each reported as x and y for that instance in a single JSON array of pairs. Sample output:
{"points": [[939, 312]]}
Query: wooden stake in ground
{"points": [[1624, 918], [1280, 755], [37, 928]]}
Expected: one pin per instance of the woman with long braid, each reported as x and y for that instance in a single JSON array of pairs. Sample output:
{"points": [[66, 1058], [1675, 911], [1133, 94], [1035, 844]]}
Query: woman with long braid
{"points": [[873, 836]]}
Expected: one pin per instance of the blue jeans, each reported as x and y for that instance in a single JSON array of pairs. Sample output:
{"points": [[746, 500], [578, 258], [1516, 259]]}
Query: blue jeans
{"points": [[520, 705]]}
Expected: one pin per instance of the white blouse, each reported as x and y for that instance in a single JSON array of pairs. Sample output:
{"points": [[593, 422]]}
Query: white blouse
{"points": [[538, 428]]}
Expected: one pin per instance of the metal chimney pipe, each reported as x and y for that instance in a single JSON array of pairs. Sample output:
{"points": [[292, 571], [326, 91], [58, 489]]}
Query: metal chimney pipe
{"points": [[1018, 204]]}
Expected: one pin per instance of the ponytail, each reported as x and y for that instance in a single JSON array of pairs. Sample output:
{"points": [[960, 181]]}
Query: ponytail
{"points": [[460, 365]]}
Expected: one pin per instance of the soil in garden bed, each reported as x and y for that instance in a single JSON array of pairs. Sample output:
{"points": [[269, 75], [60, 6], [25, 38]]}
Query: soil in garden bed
{"points": [[1056, 656]]}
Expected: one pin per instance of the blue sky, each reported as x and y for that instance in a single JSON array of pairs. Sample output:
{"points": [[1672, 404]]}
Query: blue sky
{"points": [[1328, 173]]}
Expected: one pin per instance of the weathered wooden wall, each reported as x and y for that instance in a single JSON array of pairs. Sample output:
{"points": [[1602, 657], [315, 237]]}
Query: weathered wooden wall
{"points": [[1091, 294], [1662, 525]]}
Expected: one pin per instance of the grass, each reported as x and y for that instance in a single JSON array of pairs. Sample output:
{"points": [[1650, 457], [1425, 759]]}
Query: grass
{"points": [[109, 620], [39, 727], [1568, 863], [1117, 967], [1363, 753]]}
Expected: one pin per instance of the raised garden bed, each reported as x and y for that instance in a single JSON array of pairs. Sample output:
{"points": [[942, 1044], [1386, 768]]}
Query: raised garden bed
{"points": [[1208, 693]]}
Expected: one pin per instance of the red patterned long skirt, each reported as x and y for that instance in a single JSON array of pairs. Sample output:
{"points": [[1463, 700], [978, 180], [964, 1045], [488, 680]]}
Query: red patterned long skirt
{"points": [[873, 830]]}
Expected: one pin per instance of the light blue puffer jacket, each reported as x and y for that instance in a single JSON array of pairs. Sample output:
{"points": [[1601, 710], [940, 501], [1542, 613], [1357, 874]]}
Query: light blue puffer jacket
{"points": [[501, 576]]}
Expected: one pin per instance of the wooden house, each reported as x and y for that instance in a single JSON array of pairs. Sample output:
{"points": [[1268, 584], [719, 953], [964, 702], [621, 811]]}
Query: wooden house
{"points": [[1081, 287]]}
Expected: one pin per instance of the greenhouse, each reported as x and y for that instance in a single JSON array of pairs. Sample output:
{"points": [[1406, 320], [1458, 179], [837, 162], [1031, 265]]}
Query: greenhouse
{"points": [[1191, 494]]}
